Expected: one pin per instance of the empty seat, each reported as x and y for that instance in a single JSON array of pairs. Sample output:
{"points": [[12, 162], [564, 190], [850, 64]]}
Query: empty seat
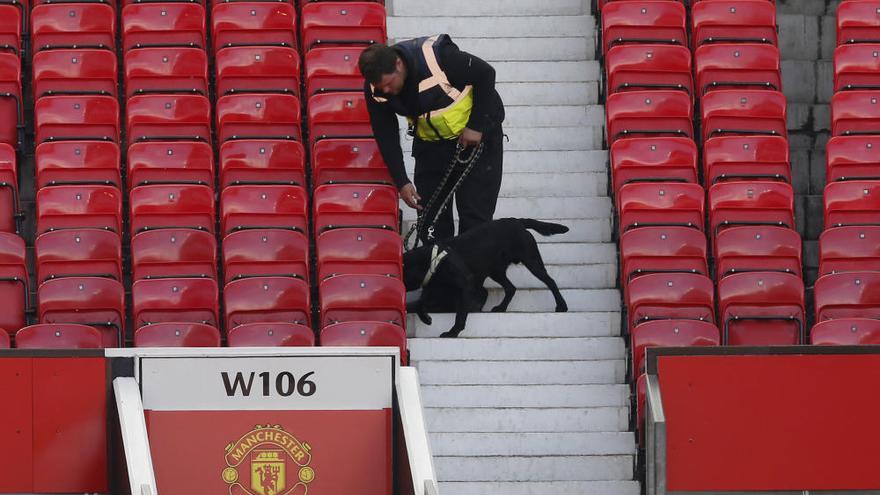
{"points": [[257, 69], [11, 25], [737, 65], [651, 159], [262, 207], [338, 115], [744, 203], [13, 282], [253, 23], [258, 116], [9, 207], [857, 67], [267, 300], [740, 21], [662, 250], [166, 70], [65, 25], [342, 23], [265, 252], [270, 335], [4, 340], [336, 160], [74, 71], [854, 202], [649, 113], [78, 253], [333, 68], [166, 24], [855, 113], [643, 22], [847, 295], [253, 161], [175, 300], [670, 333], [76, 118], [639, 67], [653, 204], [744, 112], [663, 296], [757, 248], [858, 21], [355, 205], [174, 205], [366, 333], [58, 336], [77, 162], [79, 206], [94, 301], [746, 158], [177, 335], [173, 253], [168, 162], [761, 308], [359, 251], [362, 298], [168, 117], [846, 331], [852, 157], [11, 101], [847, 249]]}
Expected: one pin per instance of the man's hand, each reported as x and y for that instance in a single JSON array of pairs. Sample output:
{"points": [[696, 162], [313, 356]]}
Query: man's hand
{"points": [[410, 196], [470, 137]]}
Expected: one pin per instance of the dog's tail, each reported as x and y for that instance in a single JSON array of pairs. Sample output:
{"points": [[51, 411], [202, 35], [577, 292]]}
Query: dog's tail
{"points": [[543, 228]]}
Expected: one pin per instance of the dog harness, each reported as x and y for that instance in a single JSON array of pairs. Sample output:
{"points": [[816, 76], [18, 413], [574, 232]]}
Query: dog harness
{"points": [[437, 256]]}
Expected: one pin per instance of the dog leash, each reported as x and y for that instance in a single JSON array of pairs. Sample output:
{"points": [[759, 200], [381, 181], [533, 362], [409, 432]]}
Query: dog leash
{"points": [[469, 162]]}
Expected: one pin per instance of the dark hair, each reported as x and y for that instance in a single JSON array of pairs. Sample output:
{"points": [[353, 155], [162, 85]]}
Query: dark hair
{"points": [[376, 61]]}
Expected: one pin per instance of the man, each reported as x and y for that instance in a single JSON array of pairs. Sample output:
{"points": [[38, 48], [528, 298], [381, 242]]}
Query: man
{"points": [[448, 97]]}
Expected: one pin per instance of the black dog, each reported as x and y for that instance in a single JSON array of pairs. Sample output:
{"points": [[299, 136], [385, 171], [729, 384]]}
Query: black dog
{"points": [[463, 263]]}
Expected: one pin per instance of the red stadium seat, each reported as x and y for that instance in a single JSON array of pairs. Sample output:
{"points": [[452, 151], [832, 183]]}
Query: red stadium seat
{"points": [[79, 206], [262, 161], [359, 251], [11, 27], [4, 339], [185, 162], [737, 65], [858, 21], [740, 21], [166, 69], [9, 207], [649, 113], [173, 205], [175, 300], [640, 67], [852, 157], [13, 282], [74, 71], [265, 252], [762, 308], [168, 117], [77, 162], [78, 252], [166, 24], [258, 116], [366, 333], [846, 331], [746, 158], [263, 207], [757, 248], [847, 295], [743, 112], [253, 23], [857, 67], [855, 202], [362, 298], [355, 205], [750, 203], [270, 335], [665, 203], [58, 336], [662, 250], [333, 69], [177, 335], [643, 22], [173, 253], [11, 100], [342, 23], [267, 300], [257, 69], [848, 249], [670, 333], [664, 296], [855, 113], [65, 25], [338, 115], [652, 159], [94, 301], [348, 160], [76, 118]]}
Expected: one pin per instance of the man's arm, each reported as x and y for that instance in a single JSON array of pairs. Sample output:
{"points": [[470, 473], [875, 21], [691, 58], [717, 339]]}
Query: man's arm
{"points": [[383, 120]]}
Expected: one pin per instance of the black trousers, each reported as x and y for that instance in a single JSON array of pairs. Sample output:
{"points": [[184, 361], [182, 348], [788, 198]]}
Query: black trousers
{"points": [[477, 196]]}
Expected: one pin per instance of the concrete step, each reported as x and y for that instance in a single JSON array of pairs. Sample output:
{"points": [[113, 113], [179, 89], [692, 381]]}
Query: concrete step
{"points": [[440, 420], [521, 325], [492, 50], [554, 116], [548, 468], [544, 71], [547, 208], [532, 444], [578, 253], [520, 372], [573, 184], [548, 93], [541, 300], [597, 276], [494, 396], [503, 26], [463, 8], [541, 488], [556, 349], [580, 230], [541, 161]]}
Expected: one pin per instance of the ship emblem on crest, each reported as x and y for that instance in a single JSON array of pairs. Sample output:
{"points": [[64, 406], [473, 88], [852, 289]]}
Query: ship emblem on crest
{"points": [[268, 461]]}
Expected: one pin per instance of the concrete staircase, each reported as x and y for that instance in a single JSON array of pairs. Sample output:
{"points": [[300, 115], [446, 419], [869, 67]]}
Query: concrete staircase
{"points": [[531, 402]]}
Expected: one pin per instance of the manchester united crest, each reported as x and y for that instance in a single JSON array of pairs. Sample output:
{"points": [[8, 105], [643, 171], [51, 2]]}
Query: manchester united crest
{"points": [[268, 461]]}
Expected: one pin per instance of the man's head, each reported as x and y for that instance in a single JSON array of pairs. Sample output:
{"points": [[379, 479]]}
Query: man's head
{"points": [[383, 68]]}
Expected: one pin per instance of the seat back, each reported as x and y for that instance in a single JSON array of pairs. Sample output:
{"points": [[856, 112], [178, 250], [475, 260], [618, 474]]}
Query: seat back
{"points": [[649, 113], [175, 300], [750, 203], [746, 158], [855, 113], [76, 118], [79, 206], [258, 116], [267, 300], [164, 162], [261, 161], [747, 112], [270, 335], [173, 252], [253, 23], [74, 71], [342, 23], [663, 296], [857, 67], [147, 25], [847, 249], [664, 203], [757, 248], [166, 70], [94, 301], [359, 251], [366, 333], [847, 295], [852, 203], [65, 25], [737, 65], [257, 69], [77, 162], [649, 66], [265, 252], [348, 160], [858, 22], [653, 158], [644, 22], [171, 205], [78, 252], [14, 288], [355, 205], [740, 21], [177, 335], [846, 331], [333, 68], [339, 115], [662, 250], [362, 298], [852, 157], [762, 308], [262, 207], [58, 336], [165, 117], [670, 333]]}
